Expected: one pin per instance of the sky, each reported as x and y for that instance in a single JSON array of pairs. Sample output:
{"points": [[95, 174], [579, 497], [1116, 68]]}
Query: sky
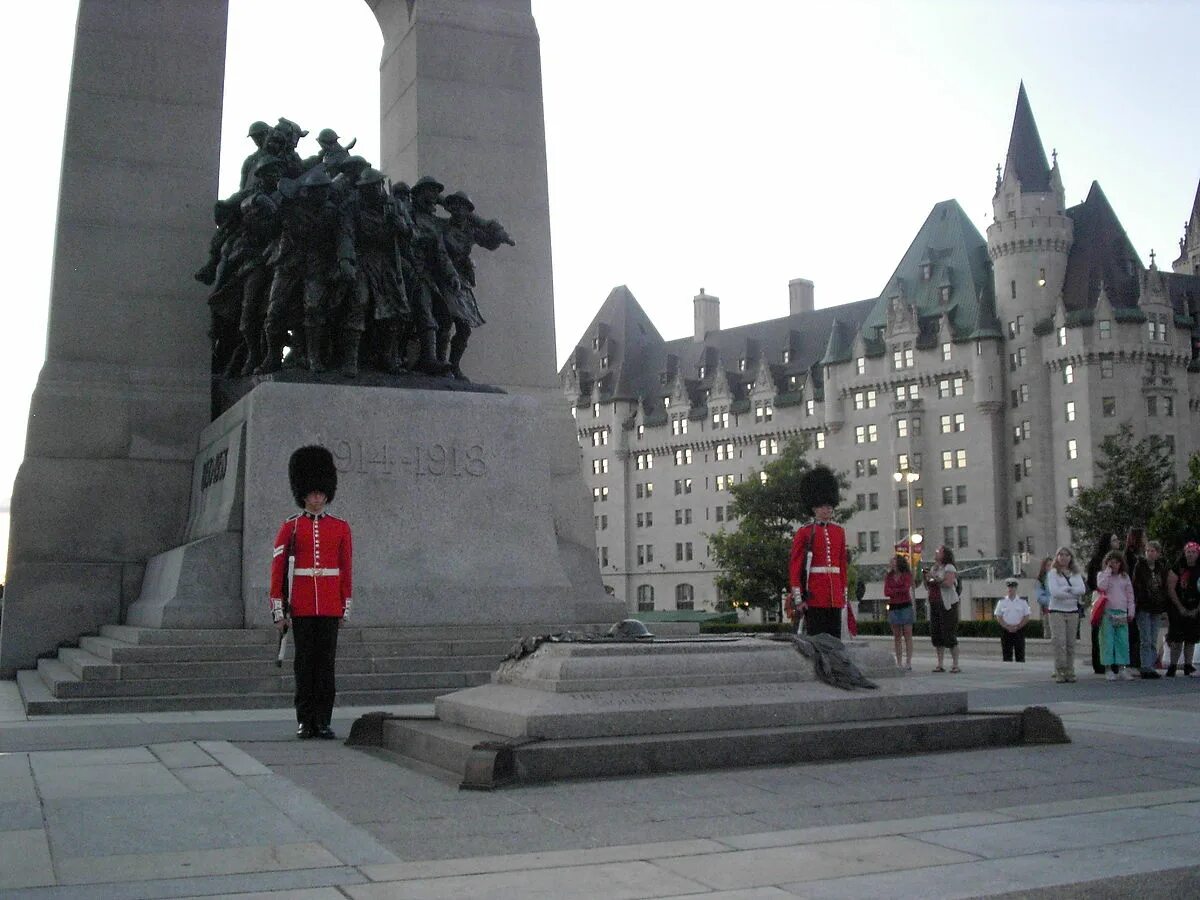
{"points": [[697, 143]]}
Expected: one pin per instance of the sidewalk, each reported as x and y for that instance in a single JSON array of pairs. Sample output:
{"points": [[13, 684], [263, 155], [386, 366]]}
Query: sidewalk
{"points": [[229, 804]]}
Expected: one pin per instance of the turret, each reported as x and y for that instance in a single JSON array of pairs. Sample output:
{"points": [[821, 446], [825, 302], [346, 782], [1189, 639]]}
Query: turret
{"points": [[1031, 235]]}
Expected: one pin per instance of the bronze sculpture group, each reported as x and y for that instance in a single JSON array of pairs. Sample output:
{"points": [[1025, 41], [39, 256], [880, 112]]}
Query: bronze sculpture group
{"points": [[324, 258]]}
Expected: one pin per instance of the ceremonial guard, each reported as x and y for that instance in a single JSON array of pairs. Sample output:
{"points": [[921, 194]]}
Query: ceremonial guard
{"points": [[819, 562], [318, 586]]}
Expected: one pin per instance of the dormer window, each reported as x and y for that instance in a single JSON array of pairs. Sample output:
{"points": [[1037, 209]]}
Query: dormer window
{"points": [[701, 371], [926, 271], [595, 343], [787, 357], [860, 365], [944, 294], [742, 364], [604, 360], [666, 402]]}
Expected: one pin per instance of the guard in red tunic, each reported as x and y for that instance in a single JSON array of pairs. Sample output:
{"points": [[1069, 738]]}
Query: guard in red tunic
{"points": [[320, 584], [819, 563]]}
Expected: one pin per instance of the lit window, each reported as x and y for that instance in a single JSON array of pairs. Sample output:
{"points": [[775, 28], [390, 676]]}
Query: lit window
{"points": [[1072, 449], [872, 434], [763, 412], [1068, 374], [946, 352], [860, 365], [1027, 465], [947, 459], [1062, 336], [1070, 410], [641, 431], [820, 440], [810, 407], [860, 434], [787, 356], [763, 477], [1073, 486], [960, 459], [595, 410], [902, 428], [1024, 389], [903, 463]]}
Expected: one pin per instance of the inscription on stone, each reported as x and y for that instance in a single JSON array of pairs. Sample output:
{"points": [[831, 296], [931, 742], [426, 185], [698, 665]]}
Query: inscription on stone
{"points": [[213, 469], [370, 457]]}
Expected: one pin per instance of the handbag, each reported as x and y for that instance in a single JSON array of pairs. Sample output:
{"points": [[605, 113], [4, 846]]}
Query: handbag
{"points": [[1098, 607]]}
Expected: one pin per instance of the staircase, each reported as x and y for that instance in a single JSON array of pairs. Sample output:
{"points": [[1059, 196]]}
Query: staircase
{"points": [[127, 669]]}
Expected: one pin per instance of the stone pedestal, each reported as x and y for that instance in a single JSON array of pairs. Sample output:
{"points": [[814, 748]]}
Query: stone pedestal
{"points": [[449, 496]]}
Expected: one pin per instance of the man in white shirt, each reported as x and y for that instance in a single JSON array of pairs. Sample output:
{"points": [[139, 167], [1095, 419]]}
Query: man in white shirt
{"points": [[1012, 612]]}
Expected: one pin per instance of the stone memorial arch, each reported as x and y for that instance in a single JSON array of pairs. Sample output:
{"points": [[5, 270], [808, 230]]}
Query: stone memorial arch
{"points": [[125, 390]]}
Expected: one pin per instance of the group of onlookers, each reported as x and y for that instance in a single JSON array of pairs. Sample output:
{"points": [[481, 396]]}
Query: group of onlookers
{"points": [[1131, 587], [1126, 590]]}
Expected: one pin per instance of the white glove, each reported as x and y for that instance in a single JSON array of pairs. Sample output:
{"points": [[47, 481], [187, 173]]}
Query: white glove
{"points": [[276, 610], [797, 595], [348, 606]]}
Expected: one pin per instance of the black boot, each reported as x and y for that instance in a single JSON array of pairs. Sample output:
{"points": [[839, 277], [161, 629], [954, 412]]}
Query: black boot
{"points": [[272, 362], [314, 337], [458, 346], [391, 360], [429, 363], [350, 342]]}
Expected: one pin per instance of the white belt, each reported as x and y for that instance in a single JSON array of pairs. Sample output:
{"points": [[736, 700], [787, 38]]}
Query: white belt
{"points": [[317, 572], [825, 570]]}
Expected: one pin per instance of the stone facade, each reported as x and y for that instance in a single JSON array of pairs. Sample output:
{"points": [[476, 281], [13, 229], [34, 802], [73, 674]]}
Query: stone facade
{"points": [[993, 367]]}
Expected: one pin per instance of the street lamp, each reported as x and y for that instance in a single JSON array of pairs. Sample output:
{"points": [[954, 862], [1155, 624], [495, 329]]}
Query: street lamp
{"points": [[907, 478]]}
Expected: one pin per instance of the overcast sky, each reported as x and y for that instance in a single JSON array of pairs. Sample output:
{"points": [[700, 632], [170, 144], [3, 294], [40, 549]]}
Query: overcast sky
{"points": [[698, 143]]}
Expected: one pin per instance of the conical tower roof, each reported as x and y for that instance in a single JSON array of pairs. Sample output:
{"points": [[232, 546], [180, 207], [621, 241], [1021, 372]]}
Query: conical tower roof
{"points": [[1026, 157]]}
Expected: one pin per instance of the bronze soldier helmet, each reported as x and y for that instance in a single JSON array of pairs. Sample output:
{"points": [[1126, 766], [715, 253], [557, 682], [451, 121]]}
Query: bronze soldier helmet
{"points": [[819, 487], [315, 177], [370, 176], [426, 182], [458, 198], [258, 128], [311, 469], [327, 136]]}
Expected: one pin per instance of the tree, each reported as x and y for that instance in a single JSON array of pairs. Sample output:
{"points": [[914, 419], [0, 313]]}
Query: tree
{"points": [[1177, 520], [1134, 479], [754, 558]]}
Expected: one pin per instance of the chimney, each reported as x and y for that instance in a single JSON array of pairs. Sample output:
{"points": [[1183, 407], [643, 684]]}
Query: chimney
{"points": [[708, 315], [800, 296]]}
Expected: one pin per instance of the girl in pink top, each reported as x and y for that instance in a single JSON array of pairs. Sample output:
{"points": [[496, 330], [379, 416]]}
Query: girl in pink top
{"points": [[1113, 581]]}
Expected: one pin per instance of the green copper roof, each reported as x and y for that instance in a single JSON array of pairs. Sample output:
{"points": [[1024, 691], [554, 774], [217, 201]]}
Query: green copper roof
{"points": [[953, 252]]}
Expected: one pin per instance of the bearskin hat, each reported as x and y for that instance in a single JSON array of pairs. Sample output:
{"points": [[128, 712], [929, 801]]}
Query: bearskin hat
{"points": [[818, 487], [311, 469]]}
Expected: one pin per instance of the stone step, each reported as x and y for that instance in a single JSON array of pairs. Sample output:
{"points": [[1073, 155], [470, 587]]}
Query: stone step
{"points": [[350, 634], [87, 666], [133, 634], [119, 651], [457, 748], [39, 701], [64, 684], [265, 665]]}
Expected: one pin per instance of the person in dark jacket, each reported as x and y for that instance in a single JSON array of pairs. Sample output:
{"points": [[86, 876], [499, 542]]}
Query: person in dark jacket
{"points": [[1135, 549], [1150, 592]]}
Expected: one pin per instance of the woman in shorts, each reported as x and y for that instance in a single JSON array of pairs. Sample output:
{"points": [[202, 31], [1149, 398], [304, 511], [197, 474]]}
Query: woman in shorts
{"points": [[897, 587]]}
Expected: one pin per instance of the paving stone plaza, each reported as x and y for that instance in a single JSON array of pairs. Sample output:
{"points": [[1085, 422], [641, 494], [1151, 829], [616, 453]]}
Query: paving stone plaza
{"points": [[229, 804]]}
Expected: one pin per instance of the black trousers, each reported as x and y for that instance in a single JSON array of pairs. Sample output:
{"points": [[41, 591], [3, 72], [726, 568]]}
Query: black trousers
{"points": [[820, 620], [1013, 643], [316, 654]]}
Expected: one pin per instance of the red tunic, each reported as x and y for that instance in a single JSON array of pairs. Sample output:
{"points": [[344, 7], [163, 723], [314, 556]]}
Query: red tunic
{"points": [[826, 586], [322, 579]]}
